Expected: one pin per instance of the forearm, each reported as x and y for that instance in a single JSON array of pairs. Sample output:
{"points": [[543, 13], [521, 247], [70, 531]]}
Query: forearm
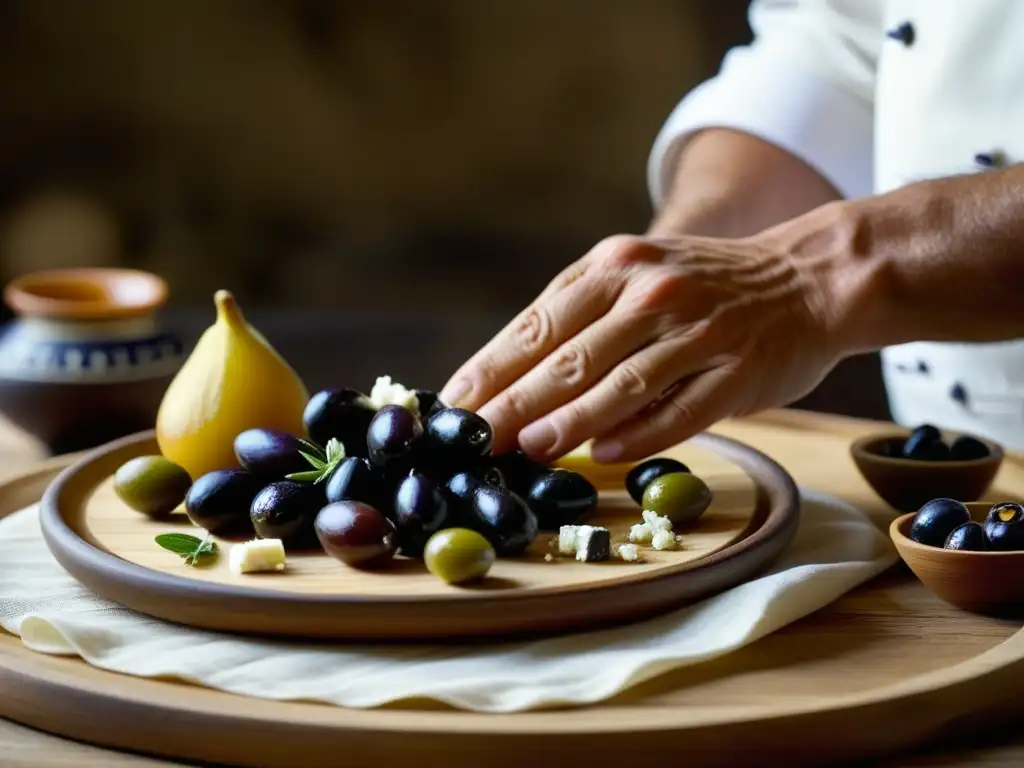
{"points": [[731, 184], [939, 260]]}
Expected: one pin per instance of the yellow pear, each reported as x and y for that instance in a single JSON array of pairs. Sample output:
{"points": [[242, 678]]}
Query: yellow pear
{"points": [[233, 381]]}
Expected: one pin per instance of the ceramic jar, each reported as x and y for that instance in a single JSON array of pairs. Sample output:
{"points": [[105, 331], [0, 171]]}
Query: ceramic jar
{"points": [[85, 359]]}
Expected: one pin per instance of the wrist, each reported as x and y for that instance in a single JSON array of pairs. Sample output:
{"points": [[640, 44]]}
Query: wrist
{"points": [[836, 248]]}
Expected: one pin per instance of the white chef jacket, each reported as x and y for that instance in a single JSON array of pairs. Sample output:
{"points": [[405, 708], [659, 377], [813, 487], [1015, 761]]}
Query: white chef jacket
{"points": [[876, 94]]}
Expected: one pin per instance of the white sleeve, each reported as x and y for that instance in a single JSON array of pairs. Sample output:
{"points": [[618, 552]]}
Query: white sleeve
{"points": [[805, 84]]}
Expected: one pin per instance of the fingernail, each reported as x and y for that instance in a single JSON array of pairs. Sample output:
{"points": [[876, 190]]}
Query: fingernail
{"points": [[455, 391], [606, 450], [538, 439]]}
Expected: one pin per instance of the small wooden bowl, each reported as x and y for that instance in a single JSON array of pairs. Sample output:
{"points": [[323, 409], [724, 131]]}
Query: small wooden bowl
{"points": [[990, 583], [906, 484]]}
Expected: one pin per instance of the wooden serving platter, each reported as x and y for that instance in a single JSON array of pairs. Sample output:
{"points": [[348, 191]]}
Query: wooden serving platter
{"points": [[885, 668], [110, 548]]}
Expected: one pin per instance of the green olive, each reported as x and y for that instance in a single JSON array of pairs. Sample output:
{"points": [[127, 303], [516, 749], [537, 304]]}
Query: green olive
{"points": [[679, 496], [152, 485], [458, 555]]}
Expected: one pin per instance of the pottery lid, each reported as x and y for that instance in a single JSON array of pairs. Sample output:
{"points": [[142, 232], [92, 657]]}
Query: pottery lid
{"points": [[86, 293]]}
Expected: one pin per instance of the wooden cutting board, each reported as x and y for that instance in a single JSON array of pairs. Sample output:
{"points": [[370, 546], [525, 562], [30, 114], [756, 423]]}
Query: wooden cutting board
{"points": [[886, 667]]}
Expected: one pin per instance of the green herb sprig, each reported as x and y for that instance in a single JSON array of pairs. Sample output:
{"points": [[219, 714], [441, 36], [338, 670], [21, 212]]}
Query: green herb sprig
{"points": [[192, 548], [323, 462]]}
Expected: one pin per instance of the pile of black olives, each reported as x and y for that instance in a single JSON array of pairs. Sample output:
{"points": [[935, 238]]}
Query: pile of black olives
{"points": [[926, 444], [947, 523], [406, 474]]}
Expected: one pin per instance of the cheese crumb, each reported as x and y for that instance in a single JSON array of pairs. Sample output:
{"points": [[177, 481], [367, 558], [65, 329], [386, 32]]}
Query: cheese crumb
{"points": [[663, 540], [567, 539], [549, 558], [644, 533], [257, 555], [388, 392], [628, 552]]}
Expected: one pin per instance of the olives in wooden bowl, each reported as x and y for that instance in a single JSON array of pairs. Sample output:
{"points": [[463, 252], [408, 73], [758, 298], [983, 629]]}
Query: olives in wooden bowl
{"points": [[969, 554], [908, 469]]}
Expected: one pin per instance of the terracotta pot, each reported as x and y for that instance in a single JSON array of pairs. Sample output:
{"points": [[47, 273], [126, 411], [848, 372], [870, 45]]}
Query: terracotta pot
{"points": [[85, 360]]}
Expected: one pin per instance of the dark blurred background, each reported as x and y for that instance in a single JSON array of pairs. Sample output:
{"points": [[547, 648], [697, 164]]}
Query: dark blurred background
{"points": [[403, 171]]}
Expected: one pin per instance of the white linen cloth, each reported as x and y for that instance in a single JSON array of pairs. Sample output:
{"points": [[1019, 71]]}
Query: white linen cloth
{"points": [[836, 548]]}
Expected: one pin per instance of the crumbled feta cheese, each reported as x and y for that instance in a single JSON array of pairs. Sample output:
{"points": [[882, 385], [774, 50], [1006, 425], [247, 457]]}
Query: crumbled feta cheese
{"points": [[644, 533], [592, 543], [588, 543], [388, 392], [656, 522], [567, 539], [640, 534], [663, 540], [257, 555], [549, 558], [628, 552]]}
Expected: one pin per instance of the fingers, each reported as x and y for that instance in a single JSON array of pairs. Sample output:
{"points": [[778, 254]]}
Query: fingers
{"points": [[577, 298], [703, 401], [565, 374], [620, 394]]}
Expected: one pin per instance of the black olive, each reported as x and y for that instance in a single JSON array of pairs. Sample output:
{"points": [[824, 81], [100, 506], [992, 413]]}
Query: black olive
{"points": [[561, 497], [453, 436], [356, 479], [504, 519], [392, 435], [420, 510], [1004, 526], [286, 510], [219, 501], [925, 444], [936, 520], [344, 414], [969, 537], [270, 453], [518, 470], [428, 402], [459, 490], [966, 448], [640, 476]]}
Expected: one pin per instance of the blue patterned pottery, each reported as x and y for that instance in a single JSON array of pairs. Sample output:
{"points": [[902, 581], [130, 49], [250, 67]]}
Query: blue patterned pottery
{"points": [[85, 360]]}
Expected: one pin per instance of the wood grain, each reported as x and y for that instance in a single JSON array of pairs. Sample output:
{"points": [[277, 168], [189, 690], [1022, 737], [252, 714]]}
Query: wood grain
{"points": [[110, 548], [882, 634]]}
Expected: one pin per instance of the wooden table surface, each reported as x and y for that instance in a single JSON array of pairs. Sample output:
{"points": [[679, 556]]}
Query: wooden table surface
{"points": [[20, 746]]}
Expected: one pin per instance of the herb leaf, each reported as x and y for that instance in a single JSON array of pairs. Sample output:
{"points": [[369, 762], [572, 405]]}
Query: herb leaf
{"points": [[191, 548], [310, 476], [313, 448], [333, 455], [317, 463]]}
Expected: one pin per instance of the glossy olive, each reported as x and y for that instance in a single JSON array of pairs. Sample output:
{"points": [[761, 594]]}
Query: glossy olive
{"points": [[925, 444], [392, 434], [504, 519], [679, 496], [1005, 512], [640, 476], [356, 479], [1004, 527], [454, 436], [152, 485], [966, 448], [459, 490], [356, 534], [561, 497], [969, 537], [344, 414], [420, 510], [458, 555], [936, 520], [220, 501], [270, 453], [285, 510]]}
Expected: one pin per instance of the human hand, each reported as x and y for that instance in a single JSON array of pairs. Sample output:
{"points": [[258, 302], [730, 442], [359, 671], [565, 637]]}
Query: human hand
{"points": [[644, 342]]}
